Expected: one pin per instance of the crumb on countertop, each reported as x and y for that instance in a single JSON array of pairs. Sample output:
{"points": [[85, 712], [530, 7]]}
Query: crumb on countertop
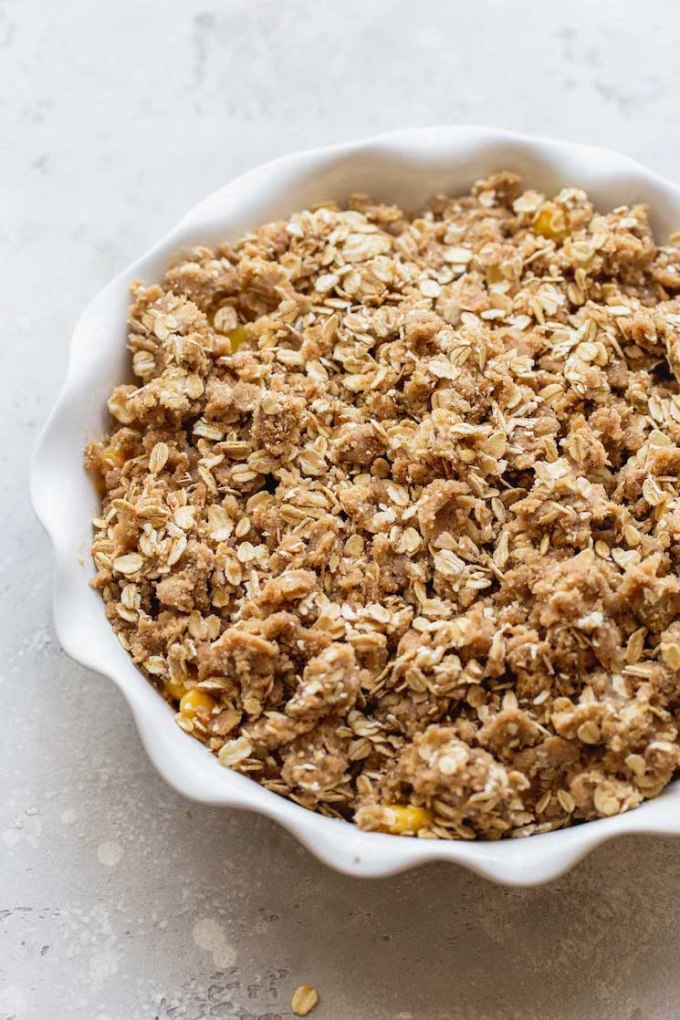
{"points": [[304, 1000]]}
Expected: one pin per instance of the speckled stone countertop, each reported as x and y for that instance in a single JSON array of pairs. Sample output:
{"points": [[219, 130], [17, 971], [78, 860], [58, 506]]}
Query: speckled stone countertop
{"points": [[118, 899]]}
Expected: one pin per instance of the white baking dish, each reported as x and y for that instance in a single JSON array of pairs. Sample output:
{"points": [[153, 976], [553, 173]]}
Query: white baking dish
{"points": [[406, 167]]}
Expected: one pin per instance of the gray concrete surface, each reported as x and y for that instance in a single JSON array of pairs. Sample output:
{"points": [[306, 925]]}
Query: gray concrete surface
{"points": [[118, 899]]}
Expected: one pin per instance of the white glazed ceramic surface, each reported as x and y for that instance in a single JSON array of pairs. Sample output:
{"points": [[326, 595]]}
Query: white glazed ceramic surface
{"points": [[405, 167]]}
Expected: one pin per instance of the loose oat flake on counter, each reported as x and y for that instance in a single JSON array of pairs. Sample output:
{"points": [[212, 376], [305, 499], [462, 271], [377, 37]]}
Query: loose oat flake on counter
{"points": [[391, 515]]}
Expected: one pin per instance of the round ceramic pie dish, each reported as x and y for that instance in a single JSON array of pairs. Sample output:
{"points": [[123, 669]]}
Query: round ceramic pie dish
{"points": [[405, 167]]}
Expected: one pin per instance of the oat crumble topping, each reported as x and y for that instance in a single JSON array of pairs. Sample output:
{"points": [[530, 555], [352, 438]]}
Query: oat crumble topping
{"points": [[391, 513]]}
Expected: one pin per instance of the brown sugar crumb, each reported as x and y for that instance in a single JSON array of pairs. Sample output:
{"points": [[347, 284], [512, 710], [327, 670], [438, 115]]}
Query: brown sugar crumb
{"points": [[392, 513]]}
